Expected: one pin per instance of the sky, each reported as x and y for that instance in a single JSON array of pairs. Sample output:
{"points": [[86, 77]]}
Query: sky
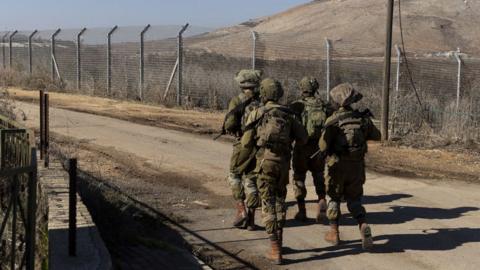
{"points": [[52, 14]]}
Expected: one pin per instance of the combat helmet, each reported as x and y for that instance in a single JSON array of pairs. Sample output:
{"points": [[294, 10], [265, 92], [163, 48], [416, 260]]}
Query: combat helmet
{"points": [[248, 78], [345, 94], [271, 90], [308, 85]]}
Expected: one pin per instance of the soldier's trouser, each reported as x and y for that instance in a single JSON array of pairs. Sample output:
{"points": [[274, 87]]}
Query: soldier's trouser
{"points": [[272, 183], [236, 184], [345, 178], [251, 189], [242, 178], [301, 164]]}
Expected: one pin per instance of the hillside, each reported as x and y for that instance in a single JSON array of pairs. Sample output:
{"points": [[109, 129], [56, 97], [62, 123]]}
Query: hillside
{"points": [[429, 26]]}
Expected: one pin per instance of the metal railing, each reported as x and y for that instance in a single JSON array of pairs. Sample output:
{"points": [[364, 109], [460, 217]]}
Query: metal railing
{"points": [[18, 196]]}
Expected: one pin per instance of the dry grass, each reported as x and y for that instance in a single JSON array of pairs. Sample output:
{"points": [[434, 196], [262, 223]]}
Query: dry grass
{"points": [[196, 121]]}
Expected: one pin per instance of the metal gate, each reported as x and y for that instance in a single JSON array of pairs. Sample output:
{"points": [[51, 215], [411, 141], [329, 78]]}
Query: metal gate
{"points": [[18, 197]]}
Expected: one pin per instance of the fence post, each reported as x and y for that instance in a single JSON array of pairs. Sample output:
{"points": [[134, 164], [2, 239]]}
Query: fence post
{"points": [[10, 49], [30, 66], [327, 46], [72, 209], [180, 65], [47, 130], [142, 61], [79, 63], [32, 210], [459, 78], [109, 59], [399, 62], [254, 49], [52, 49], [4, 64], [42, 124]]}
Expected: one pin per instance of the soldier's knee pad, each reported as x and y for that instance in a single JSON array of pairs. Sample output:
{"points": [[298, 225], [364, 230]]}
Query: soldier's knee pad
{"points": [[333, 210], [356, 209]]}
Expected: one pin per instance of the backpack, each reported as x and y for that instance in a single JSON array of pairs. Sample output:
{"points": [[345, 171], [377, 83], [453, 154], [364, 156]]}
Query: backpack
{"points": [[354, 141], [274, 129], [313, 118]]}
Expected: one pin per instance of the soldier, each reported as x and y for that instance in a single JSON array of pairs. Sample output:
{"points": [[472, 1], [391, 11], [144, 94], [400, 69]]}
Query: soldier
{"points": [[312, 113], [241, 178], [273, 128], [344, 143]]}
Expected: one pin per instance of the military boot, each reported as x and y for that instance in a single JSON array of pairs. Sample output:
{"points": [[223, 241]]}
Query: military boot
{"points": [[241, 217], [251, 219], [280, 238], [366, 234], [321, 210], [301, 215], [333, 236], [275, 254]]}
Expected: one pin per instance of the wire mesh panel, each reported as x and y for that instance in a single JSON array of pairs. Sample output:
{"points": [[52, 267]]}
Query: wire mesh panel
{"points": [[363, 67], [427, 96], [7, 51], [160, 54], [94, 61], [41, 54], [65, 55], [210, 67], [470, 100], [125, 51], [20, 52], [282, 57], [3, 48]]}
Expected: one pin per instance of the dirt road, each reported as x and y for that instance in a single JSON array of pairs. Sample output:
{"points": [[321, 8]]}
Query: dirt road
{"points": [[418, 224]]}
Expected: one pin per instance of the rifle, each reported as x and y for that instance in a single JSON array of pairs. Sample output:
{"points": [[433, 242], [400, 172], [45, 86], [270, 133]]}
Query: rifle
{"points": [[223, 132], [238, 111], [318, 153]]}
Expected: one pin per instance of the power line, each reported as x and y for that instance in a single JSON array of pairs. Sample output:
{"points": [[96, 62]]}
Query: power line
{"points": [[404, 55]]}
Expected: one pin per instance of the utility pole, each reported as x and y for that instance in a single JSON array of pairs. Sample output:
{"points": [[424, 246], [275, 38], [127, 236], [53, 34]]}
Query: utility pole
{"points": [[386, 72]]}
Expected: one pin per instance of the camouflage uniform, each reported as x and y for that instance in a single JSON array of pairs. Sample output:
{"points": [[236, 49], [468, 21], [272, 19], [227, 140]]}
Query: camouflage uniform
{"points": [[302, 163], [273, 160], [242, 178], [301, 158], [344, 143]]}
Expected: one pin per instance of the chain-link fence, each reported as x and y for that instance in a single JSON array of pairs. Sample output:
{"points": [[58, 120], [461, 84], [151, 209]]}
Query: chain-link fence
{"points": [[433, 93]]}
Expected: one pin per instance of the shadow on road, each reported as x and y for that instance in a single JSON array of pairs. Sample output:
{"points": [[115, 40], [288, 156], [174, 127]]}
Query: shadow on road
{"points": [[379, 199], [403, 214], [367, 199], [432, 240]]}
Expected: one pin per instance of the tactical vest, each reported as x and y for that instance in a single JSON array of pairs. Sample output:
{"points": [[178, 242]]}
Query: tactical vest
{"points": [[273, 131], [352, 141]]}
